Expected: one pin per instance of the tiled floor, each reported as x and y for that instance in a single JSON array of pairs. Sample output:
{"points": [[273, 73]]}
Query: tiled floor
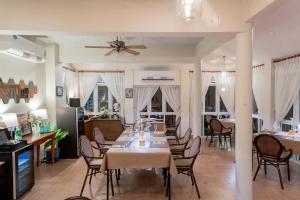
{"points": [[214, 171]]}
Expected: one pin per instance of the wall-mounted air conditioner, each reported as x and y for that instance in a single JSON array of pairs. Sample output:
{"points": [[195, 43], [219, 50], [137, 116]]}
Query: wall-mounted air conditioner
{"points": [[158, 75], [22, 48]]}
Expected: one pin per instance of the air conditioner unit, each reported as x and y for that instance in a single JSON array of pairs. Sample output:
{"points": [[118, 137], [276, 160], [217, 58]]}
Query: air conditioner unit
{"points": [[158, 75], [22, 48]]}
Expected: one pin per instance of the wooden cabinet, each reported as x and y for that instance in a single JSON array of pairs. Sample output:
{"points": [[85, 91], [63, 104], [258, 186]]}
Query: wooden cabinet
{"points": [[111, 128]]}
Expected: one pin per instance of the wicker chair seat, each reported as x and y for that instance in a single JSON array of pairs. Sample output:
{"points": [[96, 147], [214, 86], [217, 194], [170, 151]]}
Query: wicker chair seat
{"points": [[183, 162]]}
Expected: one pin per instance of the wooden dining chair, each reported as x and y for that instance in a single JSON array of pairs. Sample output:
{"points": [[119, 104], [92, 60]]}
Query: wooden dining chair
{"points": [[171, 131], [178, 146], [93, 162], [102, 145], [219, 130], [185, 165], [272, 152]]}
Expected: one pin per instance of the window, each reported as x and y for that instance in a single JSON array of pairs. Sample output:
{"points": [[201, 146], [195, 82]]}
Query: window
{"points": [[222, 106], [100, 97], [289, 115], [210, 99], [294, 112], [254, 106], [159, 109]]}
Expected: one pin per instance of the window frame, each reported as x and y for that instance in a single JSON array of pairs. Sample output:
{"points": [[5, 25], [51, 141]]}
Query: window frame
{"points": [[164, 112]]}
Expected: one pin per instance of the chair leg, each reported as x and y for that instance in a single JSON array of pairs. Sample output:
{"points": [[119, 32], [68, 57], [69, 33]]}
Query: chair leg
{"points": [[211, 140], [225, 141], [220, 141], [279, 173], [230, 141], [193, 177], [91, 176], [119, 174], [288, 170], [265, 167], [117, 179], [82, 188], [257, 169], [190, 174], [112, 184]]}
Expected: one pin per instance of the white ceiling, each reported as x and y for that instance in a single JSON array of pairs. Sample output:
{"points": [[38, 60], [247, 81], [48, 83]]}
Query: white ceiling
{"points": [[276, 34]]}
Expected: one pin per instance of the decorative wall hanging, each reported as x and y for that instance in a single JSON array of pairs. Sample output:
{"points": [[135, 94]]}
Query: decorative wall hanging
{"points": [[129, 92], [59, 91], [10, 90]]}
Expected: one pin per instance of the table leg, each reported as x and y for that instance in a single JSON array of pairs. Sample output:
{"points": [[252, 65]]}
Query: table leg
{"points": [[169, 182], [37, 155], [107, 184], [52, 150]]}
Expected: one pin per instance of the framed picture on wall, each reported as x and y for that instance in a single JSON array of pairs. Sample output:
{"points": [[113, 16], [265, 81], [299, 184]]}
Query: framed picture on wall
{"points": [[59, 91], [24, 123], [129, 92]]}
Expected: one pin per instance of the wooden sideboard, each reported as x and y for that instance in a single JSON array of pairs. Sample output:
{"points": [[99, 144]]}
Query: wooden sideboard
{"points": [[111, 128]]}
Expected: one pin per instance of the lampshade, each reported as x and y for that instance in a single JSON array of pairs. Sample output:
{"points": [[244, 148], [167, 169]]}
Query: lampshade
{"points": [[42, 113], [9, 120]]}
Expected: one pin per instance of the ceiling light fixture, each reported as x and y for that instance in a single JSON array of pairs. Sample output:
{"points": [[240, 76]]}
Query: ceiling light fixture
{"points": [[186, 9]]}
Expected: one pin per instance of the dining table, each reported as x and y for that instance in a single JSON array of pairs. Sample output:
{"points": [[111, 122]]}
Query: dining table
{"points": [[140, 150], [228, 122], [290, 140]]}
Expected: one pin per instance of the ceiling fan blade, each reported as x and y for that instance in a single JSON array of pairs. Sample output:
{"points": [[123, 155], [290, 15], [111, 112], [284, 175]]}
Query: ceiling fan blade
{"points": [[131, 51], [110, 52], [100, 47], [136, 46]]}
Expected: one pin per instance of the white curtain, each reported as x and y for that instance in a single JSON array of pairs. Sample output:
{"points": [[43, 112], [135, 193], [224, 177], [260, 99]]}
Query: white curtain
{"points": [[172, 95], [258, 89], [287, 86], [115, 83], [143, 95], [70, 84], [206, 80], [226, 88], [87, 83]]}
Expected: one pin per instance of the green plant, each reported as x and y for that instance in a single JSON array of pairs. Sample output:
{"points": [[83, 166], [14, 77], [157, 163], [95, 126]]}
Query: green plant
{"points": [[104, 112], [59, 135]]}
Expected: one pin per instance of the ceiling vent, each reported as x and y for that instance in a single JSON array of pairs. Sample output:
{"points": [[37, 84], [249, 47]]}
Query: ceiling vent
{"points": [[22, 48], [158, 75]]}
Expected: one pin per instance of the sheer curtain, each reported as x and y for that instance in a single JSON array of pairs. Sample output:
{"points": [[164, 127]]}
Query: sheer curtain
{"points": [[206, 80], [226, 88], [70, 84], [115, 83], [87, 83], [143, 95], [171, 93], [258, 90], [287, 86]]}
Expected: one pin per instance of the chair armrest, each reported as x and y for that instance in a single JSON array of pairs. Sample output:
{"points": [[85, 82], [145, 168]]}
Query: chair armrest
{"points": [[183, 158], [288, 150], [94, 157]]}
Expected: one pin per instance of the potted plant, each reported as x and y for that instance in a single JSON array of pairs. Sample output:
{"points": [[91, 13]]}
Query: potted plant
{"points": [[104, 112], [59, 135]]}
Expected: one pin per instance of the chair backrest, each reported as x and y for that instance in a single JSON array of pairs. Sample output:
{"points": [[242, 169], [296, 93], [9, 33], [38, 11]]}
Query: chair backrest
{"points": [[178, 120], [215, 125], [98, 137], [195, 149], [268, 146], [186, 138], [86, 148]]}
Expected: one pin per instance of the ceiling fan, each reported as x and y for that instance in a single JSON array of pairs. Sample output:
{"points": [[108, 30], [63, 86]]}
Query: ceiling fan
{"points": [[119, 46]]}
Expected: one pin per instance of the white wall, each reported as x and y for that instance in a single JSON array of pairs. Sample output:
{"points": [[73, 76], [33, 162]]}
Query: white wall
{"points": [[18, 69]]}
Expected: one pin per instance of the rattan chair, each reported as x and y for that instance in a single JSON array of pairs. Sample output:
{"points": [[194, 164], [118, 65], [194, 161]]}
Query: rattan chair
{"points": [[178, 146], [93, 163], [185, 165], [171, 131], [272, 152], [100, 141], [217, 129], [78, 198]]}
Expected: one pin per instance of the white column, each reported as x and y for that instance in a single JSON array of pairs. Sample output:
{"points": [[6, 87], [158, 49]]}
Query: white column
{"points": [[243, 107], [50, 64], [197, 112], [268, 104], [184, 100]]}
